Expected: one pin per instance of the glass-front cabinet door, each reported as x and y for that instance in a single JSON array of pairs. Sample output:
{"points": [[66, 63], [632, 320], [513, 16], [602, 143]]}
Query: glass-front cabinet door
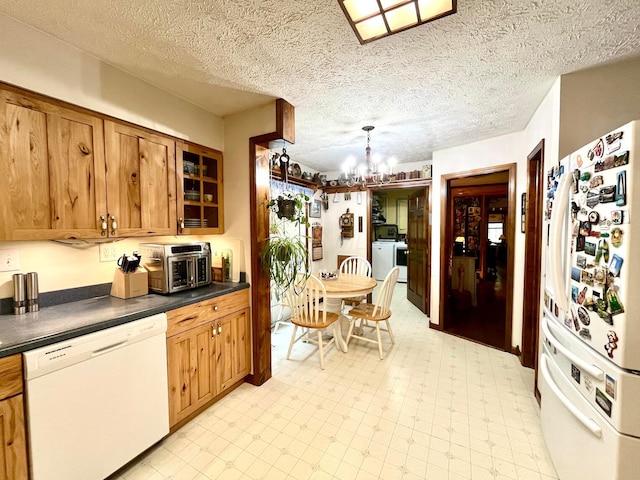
{"points": [[200, 195]]}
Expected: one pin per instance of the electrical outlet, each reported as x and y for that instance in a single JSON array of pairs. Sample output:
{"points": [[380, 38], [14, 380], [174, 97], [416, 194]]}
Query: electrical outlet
{"points": [[9, 260], [109, 252]]}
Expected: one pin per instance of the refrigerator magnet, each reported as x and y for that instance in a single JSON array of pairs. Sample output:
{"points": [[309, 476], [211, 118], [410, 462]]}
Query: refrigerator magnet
{"points": [[575, 373], [613, 141], [610, 386], [616, 237], [583, 316], [612, 343], [622, 159], [585, 334], [615, 305], [575, 274], [621, 189], [615, 265], [590, 248], [617, 217], [603, 402]]}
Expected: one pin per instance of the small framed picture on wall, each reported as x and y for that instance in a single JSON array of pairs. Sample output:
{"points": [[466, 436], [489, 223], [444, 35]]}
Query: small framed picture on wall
{"points": [[315, 209]]}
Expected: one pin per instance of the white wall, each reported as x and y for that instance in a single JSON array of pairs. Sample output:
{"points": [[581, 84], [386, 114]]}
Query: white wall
{"points": [[506, 149], [596, 101], [36, 61], [331, 238], [237, 216]]}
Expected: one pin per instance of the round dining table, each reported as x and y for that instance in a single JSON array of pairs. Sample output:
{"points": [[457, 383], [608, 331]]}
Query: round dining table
{"points": [[345, 286]]}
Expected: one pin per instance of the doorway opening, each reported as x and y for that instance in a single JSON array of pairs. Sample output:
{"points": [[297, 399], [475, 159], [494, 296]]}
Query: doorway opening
{"points": [[407, 210], [477, 291]]}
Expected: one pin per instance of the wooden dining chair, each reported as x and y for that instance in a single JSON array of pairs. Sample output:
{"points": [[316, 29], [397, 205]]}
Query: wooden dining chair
{"points": [[309, 313], [375, 313], [359, 266]]}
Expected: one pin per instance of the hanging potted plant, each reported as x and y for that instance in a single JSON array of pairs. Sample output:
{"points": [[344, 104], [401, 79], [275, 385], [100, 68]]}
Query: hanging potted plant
{"points": [[284, 256], [290, 206]]}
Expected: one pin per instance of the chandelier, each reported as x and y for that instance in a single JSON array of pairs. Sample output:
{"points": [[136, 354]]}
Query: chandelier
{"points": [[372, 170]]}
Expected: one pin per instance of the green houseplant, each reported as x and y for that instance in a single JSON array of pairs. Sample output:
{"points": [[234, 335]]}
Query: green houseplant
{"points": [[285, 255], [290, 206]]}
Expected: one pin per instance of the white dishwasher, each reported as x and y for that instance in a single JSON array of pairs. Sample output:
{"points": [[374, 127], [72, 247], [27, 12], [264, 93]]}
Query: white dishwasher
{"points": [[97, 401]]}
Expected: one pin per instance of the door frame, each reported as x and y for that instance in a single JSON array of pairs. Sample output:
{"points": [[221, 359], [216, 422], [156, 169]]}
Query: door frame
{"points": [[446, 243], [533, 260], [427, 186]]}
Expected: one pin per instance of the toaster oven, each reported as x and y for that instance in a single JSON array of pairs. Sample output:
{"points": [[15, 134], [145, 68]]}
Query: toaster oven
{"points": [[174, 267]]}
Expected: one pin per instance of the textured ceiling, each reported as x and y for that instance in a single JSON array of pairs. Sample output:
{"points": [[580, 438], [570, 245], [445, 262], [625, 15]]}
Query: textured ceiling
{"points": [[475, 74]]}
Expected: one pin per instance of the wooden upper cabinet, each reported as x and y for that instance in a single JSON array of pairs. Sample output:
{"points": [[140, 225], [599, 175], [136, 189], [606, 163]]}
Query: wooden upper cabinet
{"points": [[141, 187], [52, 184], [199, 186]]}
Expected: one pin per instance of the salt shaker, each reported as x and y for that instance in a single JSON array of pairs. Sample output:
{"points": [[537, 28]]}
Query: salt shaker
{"points": [[19, 294], [32, 292]]}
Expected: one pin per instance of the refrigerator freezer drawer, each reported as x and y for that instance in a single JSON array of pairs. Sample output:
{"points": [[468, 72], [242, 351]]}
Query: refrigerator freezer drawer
{"points": [[602, 383], [581, 444]]}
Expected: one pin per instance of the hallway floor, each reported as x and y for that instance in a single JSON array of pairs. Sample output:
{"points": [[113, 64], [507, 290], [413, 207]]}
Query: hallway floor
{"points": [[437, 407]]}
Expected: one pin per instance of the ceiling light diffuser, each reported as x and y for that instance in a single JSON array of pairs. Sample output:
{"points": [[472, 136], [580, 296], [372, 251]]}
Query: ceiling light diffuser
{"points": [[375, 19]]}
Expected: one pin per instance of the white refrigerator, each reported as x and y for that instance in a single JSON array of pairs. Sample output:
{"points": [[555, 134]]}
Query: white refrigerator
{"points": [[590, 333]]}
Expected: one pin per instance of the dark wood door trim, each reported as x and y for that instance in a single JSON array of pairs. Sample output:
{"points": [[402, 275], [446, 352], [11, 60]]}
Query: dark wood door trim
{"points": [[446, 244], [533, 259], [259, 194]]}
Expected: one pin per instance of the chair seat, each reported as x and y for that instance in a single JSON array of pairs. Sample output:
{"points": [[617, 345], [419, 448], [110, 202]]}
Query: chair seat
{"points": [[365, 311], [331, 318]]}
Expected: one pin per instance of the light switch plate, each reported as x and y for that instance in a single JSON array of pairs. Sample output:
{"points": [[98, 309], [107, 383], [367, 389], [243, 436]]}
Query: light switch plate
{"points": [[9, 260]]}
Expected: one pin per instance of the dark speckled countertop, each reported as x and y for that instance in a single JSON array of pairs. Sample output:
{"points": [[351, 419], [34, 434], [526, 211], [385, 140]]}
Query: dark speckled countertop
{"points": [[19, 333]]}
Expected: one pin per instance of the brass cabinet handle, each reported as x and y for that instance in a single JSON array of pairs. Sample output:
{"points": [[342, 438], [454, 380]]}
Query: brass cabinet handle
{"points": [[213, 330], [219, 328], [114, 225], [181, 223], [103, 225], [215, 309]]}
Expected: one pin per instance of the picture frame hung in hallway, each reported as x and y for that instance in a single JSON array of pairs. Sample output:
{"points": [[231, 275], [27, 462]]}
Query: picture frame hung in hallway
{"points": [[523, 213], [315, 209]]}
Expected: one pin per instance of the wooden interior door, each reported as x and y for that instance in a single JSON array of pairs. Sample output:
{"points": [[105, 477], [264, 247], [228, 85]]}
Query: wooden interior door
{"points": [[418, 258]]}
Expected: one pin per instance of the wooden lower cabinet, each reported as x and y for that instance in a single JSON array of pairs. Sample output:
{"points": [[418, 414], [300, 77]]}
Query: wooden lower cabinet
{"points": [[13, 446], [206, 359]]}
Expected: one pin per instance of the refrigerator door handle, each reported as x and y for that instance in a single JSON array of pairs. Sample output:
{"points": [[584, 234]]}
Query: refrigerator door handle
{"points": [[558, 214], [589, 423], [592, 370]]}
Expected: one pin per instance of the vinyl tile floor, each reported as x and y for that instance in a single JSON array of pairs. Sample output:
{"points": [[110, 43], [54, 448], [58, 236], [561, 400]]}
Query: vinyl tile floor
{"points": [[437, 407]]}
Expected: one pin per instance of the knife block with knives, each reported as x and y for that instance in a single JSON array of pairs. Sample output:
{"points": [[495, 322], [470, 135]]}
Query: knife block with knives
{"points": [[129, 285], [130, 279]]}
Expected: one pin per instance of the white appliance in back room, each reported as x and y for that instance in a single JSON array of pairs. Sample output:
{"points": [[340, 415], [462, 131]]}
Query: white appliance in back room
{"points": [[387, 252], [590, 333]]}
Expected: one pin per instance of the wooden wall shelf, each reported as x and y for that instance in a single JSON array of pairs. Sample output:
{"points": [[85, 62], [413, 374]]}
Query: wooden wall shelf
{"points": [[296, 180], [409, 182]]}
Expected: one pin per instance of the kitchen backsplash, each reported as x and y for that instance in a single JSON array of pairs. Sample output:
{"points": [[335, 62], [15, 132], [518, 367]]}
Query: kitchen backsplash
{"points": [[63, 267]]}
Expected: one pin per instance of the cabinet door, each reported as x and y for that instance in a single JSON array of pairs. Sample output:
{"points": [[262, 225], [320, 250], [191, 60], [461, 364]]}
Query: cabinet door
{"points": [[13, 448], [190, 358], [233, 356], [199, 187], [52, 184], [141, 182]]}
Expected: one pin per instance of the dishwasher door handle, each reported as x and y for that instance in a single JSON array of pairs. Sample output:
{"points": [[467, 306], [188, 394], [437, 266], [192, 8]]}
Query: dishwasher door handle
{"points": [[108, 348]]}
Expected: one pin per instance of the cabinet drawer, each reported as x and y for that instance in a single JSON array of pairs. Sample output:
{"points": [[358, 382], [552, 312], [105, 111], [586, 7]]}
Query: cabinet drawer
{"points": [[10, 376], [191, 316]]}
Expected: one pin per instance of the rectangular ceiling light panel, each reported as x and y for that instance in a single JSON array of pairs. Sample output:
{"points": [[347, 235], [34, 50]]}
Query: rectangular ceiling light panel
{"points": [[374, 19]]}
